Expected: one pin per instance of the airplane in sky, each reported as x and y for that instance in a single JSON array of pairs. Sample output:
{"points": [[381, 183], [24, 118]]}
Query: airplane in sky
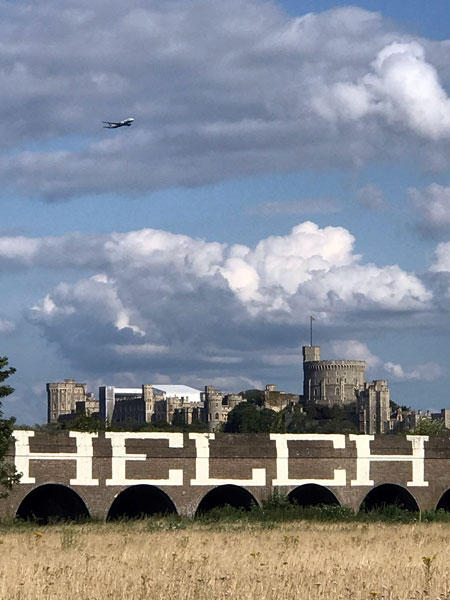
{"points": [[115, 124]]}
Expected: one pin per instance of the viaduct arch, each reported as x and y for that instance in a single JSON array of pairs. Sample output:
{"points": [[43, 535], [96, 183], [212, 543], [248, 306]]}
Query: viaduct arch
{"points": [[114, 474], [312, 494], [226, 495], [140, 501], [52, 501]]}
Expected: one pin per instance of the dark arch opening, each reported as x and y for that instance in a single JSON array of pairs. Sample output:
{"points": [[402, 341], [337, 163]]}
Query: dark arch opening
{"points": [[226, 495], [389, 494], [444, 502], [141, 501], [312, 494], [50, 503]]}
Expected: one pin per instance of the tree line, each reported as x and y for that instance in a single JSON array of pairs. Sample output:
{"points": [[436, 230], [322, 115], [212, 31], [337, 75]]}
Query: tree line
{"points": [[8, 473]]}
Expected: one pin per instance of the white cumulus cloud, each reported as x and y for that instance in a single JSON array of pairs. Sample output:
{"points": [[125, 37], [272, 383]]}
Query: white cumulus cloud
{"points": [[156, 297], [442, 258], [429, 371], [356, 350], [353, 350], [403, 88]]}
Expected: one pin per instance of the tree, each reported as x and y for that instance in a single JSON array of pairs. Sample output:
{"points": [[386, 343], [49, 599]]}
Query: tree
{"points": [[83, 422], [395, 407], [293, 419], [426, 426], [253, 396], [8, 473], [249, 418]]}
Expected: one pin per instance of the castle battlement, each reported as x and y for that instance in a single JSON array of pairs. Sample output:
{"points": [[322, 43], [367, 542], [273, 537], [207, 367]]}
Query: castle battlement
{"points": [[331, 382], [332, 365]]}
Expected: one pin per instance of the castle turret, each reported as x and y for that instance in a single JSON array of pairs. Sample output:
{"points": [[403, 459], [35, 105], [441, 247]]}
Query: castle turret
{"points": [[311, 353], [213, 407]]}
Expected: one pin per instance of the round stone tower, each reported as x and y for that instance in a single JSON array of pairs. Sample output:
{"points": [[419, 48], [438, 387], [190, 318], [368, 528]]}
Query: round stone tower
{"points": [[331, 382], [213, 407]]}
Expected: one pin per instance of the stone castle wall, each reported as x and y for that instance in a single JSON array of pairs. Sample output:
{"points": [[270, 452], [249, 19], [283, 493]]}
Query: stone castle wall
{"points": [[330, 382]]}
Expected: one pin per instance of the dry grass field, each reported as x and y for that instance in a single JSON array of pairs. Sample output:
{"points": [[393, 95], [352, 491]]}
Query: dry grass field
{"points": [[302, 560]]}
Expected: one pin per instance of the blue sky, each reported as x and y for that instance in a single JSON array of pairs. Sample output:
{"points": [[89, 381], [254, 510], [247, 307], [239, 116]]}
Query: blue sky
{"points": [[287, 159]]}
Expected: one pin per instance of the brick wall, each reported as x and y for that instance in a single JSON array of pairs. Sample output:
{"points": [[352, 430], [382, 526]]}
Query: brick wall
{"points": [[188, 466]]}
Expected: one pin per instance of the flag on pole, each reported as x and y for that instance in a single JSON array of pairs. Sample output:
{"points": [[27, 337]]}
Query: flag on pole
{"points": [[310, 329]]}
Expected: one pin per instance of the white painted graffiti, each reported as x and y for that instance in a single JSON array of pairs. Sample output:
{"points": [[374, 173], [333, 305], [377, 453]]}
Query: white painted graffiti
{"points": [[281, 441], [202, 466], [83, 458], [120, 457]]}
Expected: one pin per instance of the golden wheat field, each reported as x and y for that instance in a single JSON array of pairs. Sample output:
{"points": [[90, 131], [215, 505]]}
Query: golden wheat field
{"points": [[301, 561]]}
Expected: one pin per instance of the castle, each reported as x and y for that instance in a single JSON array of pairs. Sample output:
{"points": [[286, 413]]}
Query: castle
{"points": [[326, 383], [159, 403], [340, 382]]}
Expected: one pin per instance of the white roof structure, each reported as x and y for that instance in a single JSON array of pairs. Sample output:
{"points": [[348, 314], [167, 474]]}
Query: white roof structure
{"points": [[169, 390], [181, 391], [128, 391]]}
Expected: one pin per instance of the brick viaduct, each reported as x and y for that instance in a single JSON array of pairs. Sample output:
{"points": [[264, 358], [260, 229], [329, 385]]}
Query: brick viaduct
{"points": [[113, 474]]}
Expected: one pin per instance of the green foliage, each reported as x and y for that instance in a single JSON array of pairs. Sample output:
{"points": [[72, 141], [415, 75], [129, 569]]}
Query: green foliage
{"points": [[293, 419], [334, 419], [388, 513], [328, 512], [249, 418], [253, 397], [83, 422], [338, 426], [195, 426], [277, 508], [394, 407], [427, 426], [178, 424], [440, 516], [317, 419], [8, 473], [5, 372], [90, 423], [223, 514], [277, 501]]}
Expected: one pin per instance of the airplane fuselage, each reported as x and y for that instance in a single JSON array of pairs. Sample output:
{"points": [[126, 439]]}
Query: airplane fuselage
{"points": [[116, 124]]}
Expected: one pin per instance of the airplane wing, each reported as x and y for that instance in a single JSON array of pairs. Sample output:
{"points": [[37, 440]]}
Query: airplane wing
{"points": [[111, 124]]}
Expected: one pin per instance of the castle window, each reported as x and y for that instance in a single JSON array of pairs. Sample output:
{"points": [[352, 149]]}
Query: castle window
{"points": [[217, 416], [337, 391]]}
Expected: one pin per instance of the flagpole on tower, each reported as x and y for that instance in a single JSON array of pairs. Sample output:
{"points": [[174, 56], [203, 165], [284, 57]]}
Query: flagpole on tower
{"points": [[311, 319]]}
